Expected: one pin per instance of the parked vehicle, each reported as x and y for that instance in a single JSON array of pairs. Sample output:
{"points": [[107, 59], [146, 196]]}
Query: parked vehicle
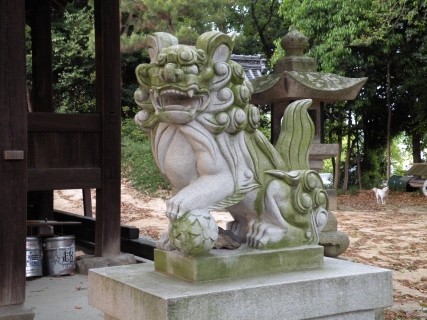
{"points": [[415, 179], [327, 179]]}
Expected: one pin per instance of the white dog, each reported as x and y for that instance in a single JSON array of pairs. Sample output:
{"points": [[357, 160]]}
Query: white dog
{"points": [[381, 194]]}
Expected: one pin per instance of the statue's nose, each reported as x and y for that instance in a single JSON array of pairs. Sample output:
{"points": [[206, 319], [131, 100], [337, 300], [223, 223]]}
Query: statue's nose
{"points": [[171, 73]]}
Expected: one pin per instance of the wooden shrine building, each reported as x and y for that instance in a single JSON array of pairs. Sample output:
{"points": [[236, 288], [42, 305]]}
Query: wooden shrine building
{"points": [[42, 151]]}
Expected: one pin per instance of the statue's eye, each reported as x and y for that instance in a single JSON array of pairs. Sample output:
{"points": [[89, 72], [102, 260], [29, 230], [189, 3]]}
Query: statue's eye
{"points": [[191, 69]]}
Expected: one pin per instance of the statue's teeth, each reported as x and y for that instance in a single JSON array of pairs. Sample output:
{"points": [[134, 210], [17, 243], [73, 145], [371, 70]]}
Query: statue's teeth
{"points": [[190, 93]]}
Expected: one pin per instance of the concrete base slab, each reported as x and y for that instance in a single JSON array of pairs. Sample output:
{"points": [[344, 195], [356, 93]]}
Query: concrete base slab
{"points": [[338, 290], [84, 263], [16, 312], [60, 298], [243, 262]]}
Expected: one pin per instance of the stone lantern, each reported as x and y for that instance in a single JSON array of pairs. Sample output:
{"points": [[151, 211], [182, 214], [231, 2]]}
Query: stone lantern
{"points": [[295, 77]]}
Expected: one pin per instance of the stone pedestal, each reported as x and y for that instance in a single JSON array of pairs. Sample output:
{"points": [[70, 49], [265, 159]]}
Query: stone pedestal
{"points": [[334, 241], [85, 263], [244, 262], [16, 312], [332, 196], [337, 290], [320, 152]]}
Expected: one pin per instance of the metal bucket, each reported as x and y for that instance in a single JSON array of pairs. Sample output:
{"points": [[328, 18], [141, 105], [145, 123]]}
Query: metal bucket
{"points": [[34, 258], [60, 255]]}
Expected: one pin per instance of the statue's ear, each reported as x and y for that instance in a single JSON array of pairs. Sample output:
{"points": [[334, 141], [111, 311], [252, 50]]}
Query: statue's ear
{"points": [[217, 45], [156, 42]]}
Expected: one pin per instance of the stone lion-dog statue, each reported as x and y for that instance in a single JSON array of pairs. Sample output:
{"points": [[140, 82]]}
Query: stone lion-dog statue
{"points": [[195, 106]]}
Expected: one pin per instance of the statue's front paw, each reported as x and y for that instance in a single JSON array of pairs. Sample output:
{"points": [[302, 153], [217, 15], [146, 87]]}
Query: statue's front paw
{"points": [[263, 234], [175, 207]]}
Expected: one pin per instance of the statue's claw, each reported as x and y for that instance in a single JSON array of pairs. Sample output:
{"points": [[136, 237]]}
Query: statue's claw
{"points": [[164, 243], [261, 233], [175, 208], [170, 215], [256, 234]]}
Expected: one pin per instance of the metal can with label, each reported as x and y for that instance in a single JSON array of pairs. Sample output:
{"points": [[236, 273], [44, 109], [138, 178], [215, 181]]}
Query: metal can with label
{"points": [[34, 258], [60, 255]]}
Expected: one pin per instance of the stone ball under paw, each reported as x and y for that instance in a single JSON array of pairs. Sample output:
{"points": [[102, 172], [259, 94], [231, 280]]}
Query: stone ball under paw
{"points": [[194, 233]]}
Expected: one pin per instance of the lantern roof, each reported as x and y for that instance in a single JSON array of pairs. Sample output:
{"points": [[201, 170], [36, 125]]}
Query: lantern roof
{"points": [[295, 77]]}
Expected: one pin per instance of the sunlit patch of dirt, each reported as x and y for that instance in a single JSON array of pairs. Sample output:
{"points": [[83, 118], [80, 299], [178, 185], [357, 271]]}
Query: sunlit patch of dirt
{"points": [[391, 236]]}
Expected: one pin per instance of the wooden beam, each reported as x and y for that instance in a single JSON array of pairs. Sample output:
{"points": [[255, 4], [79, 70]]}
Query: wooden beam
{"points": [[88, 223], [108, 99], [141, 247], [60, 122], [63, 178], [63, 150], [84, 232], [13, 136]]}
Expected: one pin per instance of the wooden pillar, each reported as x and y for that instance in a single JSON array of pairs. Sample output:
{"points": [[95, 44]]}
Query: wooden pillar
{"points": [[87, 202], [13, 142], [108, 93], [41, 202], [41, 43]]}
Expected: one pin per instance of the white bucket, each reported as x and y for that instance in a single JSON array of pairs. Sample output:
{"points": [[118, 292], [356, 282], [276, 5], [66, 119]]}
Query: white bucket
{"points": [[60, 255], [34, 258]]}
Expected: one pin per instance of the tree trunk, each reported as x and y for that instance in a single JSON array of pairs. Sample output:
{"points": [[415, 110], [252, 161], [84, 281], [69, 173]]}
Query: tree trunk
{"points": [[348, 153], [388, 158], [416, 147], [337, 176], [350, 147], [333, 159], [359, 168], [346, 165]]}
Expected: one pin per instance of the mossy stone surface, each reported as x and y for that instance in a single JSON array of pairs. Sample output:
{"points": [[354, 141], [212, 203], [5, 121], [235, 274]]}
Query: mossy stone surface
{"points": [[239, 263]]}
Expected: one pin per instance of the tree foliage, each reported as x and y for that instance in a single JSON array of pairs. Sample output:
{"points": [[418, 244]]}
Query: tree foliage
{"points": [[185, 19], [74, 59], [364, 38], [352, 38], [258, 25]]}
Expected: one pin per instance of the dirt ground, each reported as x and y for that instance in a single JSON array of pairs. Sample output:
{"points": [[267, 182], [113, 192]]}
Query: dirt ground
{"points": [[392, 236]]}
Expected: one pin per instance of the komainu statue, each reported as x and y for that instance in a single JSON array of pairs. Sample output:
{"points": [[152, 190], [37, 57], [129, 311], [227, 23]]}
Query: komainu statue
{"points": [[195, 105]]}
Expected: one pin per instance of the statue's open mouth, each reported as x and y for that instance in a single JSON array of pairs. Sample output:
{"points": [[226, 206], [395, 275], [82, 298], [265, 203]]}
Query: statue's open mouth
{"points": [[179, 106]]}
